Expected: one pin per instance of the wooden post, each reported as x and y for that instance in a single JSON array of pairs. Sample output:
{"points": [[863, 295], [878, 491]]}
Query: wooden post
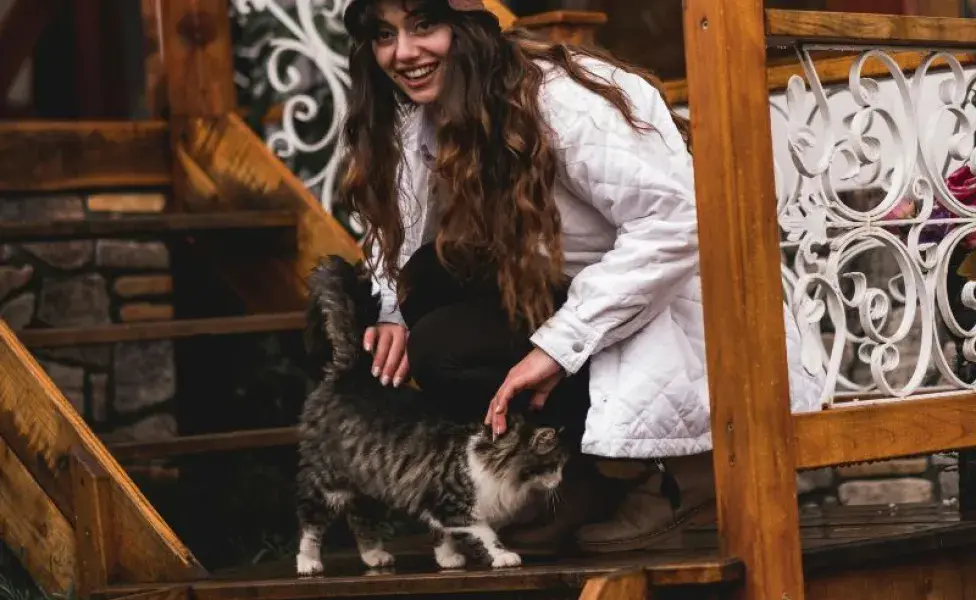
{"points": [[628, 585], [742, 294], [95, 540]]}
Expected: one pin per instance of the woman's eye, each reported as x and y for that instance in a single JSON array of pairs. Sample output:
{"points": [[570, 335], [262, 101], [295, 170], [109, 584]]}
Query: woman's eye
{"points": [[424, 26], [384, 36]]}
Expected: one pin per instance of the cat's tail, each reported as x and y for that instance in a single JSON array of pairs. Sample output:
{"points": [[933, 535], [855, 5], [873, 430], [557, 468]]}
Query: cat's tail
{"points": [[341, 306]]}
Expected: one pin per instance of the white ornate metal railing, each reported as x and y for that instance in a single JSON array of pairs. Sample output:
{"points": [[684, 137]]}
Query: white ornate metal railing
{"points": [[315, 99], [877, 201]]}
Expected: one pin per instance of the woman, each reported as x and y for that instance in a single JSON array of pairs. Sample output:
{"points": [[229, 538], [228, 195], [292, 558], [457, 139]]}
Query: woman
{"points": [[531, 224]]}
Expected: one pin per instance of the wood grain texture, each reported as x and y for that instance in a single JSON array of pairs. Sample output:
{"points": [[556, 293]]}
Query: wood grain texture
{"points": [[198, 58], [164, 330], [933, 576], [205, 443], [166, 223], [246, 174], [66, 155], [832, 71], [740, 267], [154, 92], [95, 539], [874, 432], [127, 203], [42, 428], [630, 585], [33, 528], [792, 26]]}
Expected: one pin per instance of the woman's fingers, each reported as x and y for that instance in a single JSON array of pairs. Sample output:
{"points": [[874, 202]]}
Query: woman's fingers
{"points": [[382, 351], [398, 346], [401, 373], [369, 339]]}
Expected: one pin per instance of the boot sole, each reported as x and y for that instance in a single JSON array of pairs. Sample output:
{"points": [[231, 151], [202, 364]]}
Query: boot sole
{"points": [[647, 541]]}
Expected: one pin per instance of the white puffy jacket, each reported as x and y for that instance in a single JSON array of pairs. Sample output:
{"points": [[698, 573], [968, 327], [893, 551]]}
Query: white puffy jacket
{"points": [[630, 237]]}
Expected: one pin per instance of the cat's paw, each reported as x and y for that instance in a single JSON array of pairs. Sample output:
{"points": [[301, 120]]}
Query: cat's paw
{"points": [[449, 558], [377, 557], [306, 565], [504, 559]]}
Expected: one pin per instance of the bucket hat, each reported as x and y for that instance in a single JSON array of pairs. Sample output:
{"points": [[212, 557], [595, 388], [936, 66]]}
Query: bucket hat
{"points": [[355, 6]]}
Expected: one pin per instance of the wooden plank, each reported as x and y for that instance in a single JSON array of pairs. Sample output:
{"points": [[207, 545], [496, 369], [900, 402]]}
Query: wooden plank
{"points": [[631, 585], [32, 526], [207, 443], [42, 429], [47, 156], [740, 267], [95, 539], [127, 203], [832, 71], [565, 26], [418, 576], [795, 26], [198, 58], [163, 330], [244, 171], [166, 223], [879, 431], [155, 92]]}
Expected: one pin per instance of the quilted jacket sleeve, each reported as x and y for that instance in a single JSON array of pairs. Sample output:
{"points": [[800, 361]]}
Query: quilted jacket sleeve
{"points": [[389, 308], [642, 183]]}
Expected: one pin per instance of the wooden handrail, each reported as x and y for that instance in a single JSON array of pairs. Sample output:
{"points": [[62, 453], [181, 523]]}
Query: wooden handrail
{"points": [[795, 26], [42, 430], [885, 430]]}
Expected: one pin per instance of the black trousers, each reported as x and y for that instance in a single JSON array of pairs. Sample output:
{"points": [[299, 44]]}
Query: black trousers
{"points": [[461, 347]]}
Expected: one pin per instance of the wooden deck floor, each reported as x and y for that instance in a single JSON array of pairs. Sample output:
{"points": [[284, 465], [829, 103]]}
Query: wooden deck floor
{"points": [[838, 538]]}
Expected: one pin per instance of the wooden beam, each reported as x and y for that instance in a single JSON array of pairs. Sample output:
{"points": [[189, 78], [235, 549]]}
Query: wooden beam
{"points": [[33, 528], [207, 443], [160, 330], [48, 156], [198, 58], [167, 223], [794, 26], [245, 172], [878, 431], [834, 70], [95, 539], [740, 267], [155, 90], [42, 428], [565, 26], [630, 585]]}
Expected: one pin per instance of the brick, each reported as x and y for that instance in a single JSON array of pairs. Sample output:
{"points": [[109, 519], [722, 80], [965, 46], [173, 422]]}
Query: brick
{"points": [[123, 254], [817, 479], [905, 466], [949, 484], [14, 278], [68, 256], [74, 302], [886, 491], [127, 203], [145, 311], [143, 285], [19, 311]]}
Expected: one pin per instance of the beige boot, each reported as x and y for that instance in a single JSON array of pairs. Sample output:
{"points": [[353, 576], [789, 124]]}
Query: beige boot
{"points": [[655, 509]]}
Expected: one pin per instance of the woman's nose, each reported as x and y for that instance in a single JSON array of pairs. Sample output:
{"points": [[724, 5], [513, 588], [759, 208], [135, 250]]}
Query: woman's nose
{"points": [[406, 48]]}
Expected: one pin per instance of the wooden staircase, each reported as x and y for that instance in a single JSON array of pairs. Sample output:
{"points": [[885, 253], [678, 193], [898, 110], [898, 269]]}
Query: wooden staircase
{"points": [[80, 522]]}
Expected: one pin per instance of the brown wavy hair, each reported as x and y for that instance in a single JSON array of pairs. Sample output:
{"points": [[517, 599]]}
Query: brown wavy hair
{"points": [[495, 159]]}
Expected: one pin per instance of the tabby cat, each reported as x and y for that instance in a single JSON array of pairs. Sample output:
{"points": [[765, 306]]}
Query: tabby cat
{"points": [[367, 449]]}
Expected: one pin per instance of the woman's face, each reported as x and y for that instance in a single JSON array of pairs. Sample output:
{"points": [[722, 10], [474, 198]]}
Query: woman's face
{"points": [[411, 50]]}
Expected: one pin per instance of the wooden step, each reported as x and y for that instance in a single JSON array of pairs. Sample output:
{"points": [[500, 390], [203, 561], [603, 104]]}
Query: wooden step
{"points": [[160, 330], [158, 224], [47, 156], [416, 575], [205, 443]]}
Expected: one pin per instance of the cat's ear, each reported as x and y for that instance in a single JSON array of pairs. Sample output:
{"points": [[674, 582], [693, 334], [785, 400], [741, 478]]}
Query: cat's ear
{"points": [[544, 440]]}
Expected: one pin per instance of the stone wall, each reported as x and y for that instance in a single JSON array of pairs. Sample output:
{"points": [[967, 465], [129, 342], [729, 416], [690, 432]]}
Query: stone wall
{"points": [[124, 390], [918, 480]]}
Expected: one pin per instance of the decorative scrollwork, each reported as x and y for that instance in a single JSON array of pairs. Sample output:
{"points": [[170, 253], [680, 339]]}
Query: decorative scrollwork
{"points": [[310, 23], [874, 272]]}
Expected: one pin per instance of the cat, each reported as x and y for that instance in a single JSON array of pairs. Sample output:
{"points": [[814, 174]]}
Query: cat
{"points": [[366, 448]]}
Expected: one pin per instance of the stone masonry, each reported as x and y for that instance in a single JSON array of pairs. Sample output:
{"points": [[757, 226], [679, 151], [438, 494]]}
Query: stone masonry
{"points": [[124, 390]]}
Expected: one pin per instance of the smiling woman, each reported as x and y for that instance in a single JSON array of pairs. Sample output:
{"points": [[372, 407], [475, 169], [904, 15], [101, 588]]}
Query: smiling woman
{"points": [[530, 222]]}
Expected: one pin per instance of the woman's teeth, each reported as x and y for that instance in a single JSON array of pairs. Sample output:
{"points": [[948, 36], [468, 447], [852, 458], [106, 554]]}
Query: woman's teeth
{"points": [[419, 72]]}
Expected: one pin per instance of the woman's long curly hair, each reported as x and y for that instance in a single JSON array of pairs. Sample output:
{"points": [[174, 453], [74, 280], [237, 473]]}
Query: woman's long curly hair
{"points": [[495, 158]]}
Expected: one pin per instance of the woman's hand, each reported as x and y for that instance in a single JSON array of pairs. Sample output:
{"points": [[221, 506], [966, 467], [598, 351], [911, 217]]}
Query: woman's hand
{"points": [[537, 372], [390, 357]]}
